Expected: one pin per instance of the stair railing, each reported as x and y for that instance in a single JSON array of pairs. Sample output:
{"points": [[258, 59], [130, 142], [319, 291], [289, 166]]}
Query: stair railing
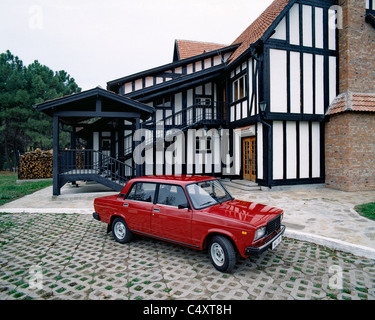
{"points": [[88, 162]]}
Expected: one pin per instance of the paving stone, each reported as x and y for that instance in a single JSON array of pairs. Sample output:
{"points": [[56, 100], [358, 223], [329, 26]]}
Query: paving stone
{"points": [[71, 257], [148, 274], [188, 288], [302, 289], [235, 294], [268, 292]]}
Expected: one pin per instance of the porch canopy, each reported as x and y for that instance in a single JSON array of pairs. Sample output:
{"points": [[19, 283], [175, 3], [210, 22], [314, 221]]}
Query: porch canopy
{"points": [[99, 105]]}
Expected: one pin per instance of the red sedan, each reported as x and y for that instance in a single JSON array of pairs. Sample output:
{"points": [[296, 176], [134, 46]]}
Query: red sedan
{"points": [[193, 211]]}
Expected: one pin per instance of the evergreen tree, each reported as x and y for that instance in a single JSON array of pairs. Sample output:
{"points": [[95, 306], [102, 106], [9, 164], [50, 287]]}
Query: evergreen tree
{"points": [[22, 128]]}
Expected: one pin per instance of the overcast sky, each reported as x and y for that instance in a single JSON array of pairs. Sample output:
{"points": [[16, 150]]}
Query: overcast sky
{"points": [[96, 41]]}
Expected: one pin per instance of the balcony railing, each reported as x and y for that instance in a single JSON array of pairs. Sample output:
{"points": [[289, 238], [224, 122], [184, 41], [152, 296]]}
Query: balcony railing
{"points": [[199, 114]]}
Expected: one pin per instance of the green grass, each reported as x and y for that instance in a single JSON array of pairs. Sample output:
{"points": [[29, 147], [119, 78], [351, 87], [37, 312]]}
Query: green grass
{"points": [[11, 190], [366, 210]]}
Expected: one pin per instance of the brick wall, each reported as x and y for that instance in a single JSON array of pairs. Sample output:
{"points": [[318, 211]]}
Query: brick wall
{"points": [[356, 43], [350, 135], [350, 150]]}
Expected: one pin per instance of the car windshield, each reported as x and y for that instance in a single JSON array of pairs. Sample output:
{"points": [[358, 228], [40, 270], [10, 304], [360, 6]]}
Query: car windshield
{"points": [[207, 193]]}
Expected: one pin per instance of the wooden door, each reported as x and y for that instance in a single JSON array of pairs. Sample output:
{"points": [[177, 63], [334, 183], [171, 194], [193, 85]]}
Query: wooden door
{"points": [[249, 158]]}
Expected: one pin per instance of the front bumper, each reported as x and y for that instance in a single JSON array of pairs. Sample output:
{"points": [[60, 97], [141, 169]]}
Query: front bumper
{"points": [[259, 250], [95, 216]]}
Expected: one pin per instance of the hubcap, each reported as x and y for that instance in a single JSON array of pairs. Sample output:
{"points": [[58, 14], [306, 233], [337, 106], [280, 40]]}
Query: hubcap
{"points": [[120, 230], [217, 254]]}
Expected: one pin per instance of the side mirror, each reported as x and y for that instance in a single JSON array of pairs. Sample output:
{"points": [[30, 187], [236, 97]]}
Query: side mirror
{"points": [[183, 206]]}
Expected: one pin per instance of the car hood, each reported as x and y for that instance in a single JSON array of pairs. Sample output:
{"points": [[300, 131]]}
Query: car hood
{"points": [[251, 213]]}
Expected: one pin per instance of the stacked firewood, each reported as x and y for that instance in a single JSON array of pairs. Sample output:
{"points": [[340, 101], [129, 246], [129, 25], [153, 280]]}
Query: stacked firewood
{"points": [[37, 164], [80, 160]]}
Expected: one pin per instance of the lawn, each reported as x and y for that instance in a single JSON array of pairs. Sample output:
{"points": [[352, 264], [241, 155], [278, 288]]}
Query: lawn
{"points": [[11, 190], [366, 210]]}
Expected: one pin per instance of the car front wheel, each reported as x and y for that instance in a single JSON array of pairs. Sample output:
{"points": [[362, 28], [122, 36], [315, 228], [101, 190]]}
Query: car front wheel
{"points": [[120, 230], [222, 254]]}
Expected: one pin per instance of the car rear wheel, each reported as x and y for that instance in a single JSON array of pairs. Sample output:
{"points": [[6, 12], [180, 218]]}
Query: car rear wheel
{"points": [[120, 230], [222, 254]]}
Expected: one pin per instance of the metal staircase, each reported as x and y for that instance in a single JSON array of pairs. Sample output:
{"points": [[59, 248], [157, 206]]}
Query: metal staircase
{"points": [[93, 165], [209, 113], [199, 115]]}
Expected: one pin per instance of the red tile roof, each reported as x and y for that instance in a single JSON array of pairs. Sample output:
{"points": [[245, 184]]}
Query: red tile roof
{"points": [[349, 101], [187, 48], [256, 30]]}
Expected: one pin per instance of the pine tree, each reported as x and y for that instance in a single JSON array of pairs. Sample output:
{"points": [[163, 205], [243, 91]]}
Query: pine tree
{"points": [[22, 128]]}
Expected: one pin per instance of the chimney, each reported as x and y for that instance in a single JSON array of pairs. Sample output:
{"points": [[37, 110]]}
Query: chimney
{"points": [[356, 44]]}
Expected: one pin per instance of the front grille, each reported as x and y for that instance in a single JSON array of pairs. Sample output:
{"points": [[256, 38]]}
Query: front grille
{"points": [[273, 225]]}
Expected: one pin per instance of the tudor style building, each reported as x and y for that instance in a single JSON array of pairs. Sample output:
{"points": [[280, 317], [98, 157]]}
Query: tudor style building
{"points": [[254, 109]]}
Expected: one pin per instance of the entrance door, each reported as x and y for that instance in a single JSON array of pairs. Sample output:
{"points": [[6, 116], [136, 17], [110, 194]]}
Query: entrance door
{"points": [[249, 158]]}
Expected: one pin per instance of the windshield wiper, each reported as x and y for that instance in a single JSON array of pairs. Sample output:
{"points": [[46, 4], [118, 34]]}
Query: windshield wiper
{"points": [[208, 202], [223, 199]]}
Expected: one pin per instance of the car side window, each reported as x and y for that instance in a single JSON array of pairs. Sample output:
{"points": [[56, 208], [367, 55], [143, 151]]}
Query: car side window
{"points": [[172, 195], [142, 191]]}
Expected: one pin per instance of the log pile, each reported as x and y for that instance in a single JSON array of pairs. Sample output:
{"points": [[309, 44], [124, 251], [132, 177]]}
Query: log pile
{"points": [[80, 164], [37, 164]]}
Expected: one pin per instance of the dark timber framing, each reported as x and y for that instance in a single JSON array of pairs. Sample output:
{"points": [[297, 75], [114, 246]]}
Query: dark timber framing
{"points": [[259, 52], [172, 92]]}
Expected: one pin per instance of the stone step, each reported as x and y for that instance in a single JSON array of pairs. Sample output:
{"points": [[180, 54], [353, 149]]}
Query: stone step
{"points": [[242, 184]]}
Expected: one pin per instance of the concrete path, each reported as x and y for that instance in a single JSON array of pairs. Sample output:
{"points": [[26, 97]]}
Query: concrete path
{"points": [[72, 200], [323, 216]]}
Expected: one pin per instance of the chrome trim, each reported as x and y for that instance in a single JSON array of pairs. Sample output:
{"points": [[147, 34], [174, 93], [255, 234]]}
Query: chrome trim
{"points": [[267, 245]]}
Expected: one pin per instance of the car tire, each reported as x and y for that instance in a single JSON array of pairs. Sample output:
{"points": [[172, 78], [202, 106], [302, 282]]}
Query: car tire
{"points": [[222, 254], [121, 231]]}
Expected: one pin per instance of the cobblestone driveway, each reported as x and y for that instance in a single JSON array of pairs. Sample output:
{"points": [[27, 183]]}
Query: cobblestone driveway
{"points": [[70, 256]]}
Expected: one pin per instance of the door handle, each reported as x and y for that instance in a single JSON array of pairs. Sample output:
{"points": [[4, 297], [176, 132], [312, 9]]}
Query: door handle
{"points": [[126, 204], [156, 209]]}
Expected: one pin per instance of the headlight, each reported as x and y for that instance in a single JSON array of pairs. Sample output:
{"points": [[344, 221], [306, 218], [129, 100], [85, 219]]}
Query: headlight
{"points": [[260, 233]]}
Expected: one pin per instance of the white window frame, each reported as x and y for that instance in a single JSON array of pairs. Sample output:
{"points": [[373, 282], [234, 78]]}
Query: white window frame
{"points": [[239, 89]]}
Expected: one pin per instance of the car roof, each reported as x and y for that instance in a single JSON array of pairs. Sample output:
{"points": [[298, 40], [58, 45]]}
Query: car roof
{"points": [[179, 179]]}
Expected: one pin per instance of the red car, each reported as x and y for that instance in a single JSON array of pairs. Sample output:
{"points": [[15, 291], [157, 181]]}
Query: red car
{"points": [[193, 211]]}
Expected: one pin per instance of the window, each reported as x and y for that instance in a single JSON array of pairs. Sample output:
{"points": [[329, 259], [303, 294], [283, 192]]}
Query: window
{"points": [[142, 191], [370, 5], [203, 101], [164, 102], [239, 88], [171, 195], [203, 145]]}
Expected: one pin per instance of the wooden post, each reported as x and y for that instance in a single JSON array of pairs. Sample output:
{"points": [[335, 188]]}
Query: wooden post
{"points": [[56, 185], [138, 155]]}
